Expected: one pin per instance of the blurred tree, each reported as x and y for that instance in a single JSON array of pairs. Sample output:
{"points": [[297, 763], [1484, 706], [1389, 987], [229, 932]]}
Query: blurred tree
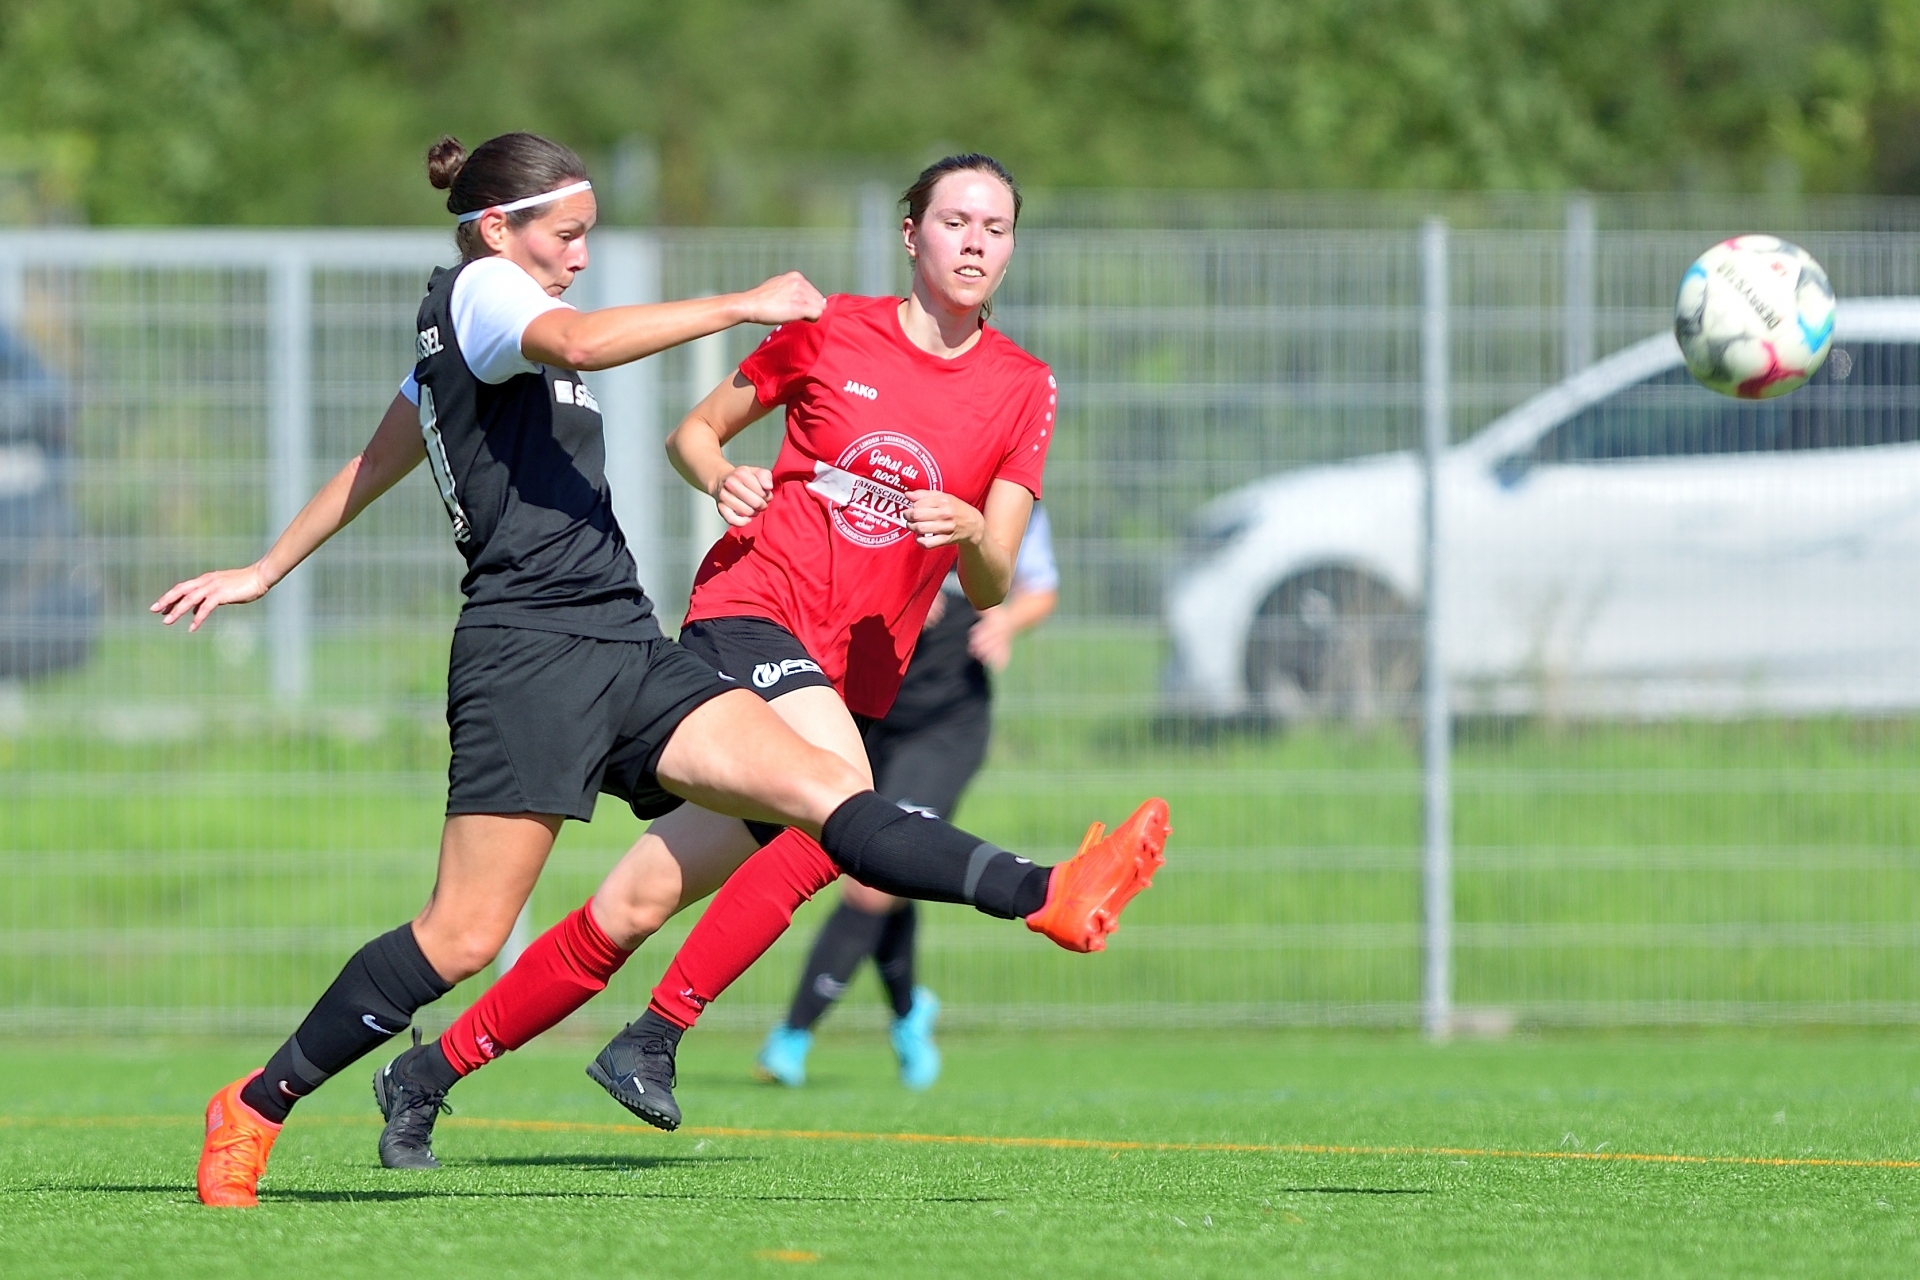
{"points": [[317, 111]]}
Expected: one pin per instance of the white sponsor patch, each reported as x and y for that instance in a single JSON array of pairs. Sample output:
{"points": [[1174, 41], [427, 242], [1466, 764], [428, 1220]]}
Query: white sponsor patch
{"points": [[866, 487], [574, 393], [768, 674]]}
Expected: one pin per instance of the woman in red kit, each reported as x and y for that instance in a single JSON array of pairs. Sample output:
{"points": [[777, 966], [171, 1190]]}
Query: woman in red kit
{"points": [[916, 437]]}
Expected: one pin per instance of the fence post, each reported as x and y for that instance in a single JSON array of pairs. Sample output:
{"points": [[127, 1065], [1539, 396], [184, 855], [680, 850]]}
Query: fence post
{"points": [[1577, 328], [879, 244], [627, 265], [1437, 791], [289, 446]]}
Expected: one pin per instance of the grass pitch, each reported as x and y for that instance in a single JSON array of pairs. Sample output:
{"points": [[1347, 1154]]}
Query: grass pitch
{"points": [[1283, 1154]]}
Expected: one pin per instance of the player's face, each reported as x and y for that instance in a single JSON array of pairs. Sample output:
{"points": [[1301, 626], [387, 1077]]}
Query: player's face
{"points": [[961, 247], [553, 247]]}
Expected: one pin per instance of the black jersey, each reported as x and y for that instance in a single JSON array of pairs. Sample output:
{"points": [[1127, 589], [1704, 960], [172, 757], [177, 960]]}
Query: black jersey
{"points": [[521, 467], [943, 675]]}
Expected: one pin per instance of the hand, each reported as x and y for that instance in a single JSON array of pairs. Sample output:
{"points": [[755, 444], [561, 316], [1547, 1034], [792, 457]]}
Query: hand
{"points": [[742, 494], [202, 595], [941, 520], [783, 299], [990, 640]]}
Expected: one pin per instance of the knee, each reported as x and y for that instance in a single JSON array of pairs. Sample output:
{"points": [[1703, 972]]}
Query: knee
{"points": [[456, 954], [836, 776], [628, 919], [460, 957]]}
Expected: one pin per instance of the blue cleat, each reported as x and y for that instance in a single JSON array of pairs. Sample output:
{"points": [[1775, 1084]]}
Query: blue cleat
{"points": [[783, 1058], [913, 1041]]}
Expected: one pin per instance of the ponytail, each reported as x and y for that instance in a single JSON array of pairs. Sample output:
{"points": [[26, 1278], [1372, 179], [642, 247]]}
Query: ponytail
{"points": [[498, 171]]}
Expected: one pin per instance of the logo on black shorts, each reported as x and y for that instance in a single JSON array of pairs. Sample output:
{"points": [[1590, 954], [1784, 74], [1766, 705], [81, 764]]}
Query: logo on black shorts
{"points": [[768, 674]]}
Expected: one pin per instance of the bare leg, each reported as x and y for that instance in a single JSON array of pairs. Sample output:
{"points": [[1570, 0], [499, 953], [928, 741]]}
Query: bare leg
{"points": [[488, 865], [687, 854], [737, 755]]}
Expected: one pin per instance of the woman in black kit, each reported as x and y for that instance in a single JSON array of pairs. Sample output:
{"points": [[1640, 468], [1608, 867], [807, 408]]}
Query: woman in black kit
{"points": [[560, 685], [924, 754]]}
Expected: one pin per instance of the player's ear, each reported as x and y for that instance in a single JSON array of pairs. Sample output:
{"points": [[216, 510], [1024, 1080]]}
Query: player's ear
{"points": [[493, 230]]}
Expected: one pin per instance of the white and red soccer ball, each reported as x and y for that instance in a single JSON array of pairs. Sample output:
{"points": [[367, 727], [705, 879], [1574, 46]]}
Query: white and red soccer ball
{"points": [[1754, 318]]}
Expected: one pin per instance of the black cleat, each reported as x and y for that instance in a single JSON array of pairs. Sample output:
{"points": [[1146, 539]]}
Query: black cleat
{"points": [[410, 1108], [637, 1069]]}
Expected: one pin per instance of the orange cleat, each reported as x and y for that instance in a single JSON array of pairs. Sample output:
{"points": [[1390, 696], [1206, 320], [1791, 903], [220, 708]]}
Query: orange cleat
{"points": [[1087, 892], [235, 1154]]}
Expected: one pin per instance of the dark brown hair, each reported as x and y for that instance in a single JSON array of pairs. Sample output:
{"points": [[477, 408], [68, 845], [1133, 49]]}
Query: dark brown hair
{"points": [[509, 167], [917, 196]]}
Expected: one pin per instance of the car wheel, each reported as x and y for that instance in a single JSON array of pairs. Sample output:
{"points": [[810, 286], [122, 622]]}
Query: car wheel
{"points": [[1334, 642]]}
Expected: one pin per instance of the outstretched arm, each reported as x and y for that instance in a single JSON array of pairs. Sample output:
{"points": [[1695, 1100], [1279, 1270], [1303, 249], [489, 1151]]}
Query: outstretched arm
{"points": [[620, 335], [396, 448]]}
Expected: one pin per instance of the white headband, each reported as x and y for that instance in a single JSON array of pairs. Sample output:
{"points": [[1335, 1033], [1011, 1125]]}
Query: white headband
{"points": [[527, 202]]}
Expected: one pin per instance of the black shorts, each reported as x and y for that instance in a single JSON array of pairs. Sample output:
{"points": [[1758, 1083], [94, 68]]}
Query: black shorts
{"points": [[543, 722], [927, 767], [763, 656]]}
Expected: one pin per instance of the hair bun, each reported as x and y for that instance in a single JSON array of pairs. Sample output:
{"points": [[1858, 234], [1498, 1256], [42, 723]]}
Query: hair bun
{"points": [[445, 159]]}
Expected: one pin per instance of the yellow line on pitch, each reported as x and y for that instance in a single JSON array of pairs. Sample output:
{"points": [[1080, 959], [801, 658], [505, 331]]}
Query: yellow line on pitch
{"points": [[982, 1140], [1096, 1144]]}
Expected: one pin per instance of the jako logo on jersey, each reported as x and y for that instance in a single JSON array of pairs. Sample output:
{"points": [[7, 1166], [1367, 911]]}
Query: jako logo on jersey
{"points": [[430, 342], [860, 389], [866, 488], [768, 674], [575, 393]]}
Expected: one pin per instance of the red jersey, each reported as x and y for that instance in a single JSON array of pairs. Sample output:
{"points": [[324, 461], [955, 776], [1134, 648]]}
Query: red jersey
{"points": [[870, 416]]}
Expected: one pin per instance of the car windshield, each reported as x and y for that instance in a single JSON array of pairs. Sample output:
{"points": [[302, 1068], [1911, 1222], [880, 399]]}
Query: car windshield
{"points": [[1866, 394]]}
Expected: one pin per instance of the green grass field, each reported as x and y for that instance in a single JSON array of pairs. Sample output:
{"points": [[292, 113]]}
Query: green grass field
{"points": [[180, 863], [1513, 1157]]}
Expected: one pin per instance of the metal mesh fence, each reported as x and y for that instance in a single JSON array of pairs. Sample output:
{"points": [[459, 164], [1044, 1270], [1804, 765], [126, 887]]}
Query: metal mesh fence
{"points": [[1683, 746]]}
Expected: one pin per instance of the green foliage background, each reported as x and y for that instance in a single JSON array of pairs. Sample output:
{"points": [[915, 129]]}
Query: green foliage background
{"points": [[316, 111]]}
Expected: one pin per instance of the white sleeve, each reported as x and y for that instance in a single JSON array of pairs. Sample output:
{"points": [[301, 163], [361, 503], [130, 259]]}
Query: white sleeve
{"points": [[1034, 569], [410, 388], [493, 303]]}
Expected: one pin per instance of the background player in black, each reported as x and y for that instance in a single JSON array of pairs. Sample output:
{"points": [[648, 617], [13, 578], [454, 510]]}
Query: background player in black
{"points": [[560, 684], [924, 753]]}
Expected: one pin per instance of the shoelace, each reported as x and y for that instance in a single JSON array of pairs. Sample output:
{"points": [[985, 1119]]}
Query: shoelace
{"points": [[226, 1142], [653, 1047]]}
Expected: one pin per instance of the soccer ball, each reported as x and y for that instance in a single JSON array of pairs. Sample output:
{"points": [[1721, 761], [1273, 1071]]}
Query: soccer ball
{"points": [[1754, 317]]}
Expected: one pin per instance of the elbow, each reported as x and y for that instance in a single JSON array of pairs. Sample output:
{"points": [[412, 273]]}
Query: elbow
{"points": [[985, 597], [581, 357], [676, 449]]}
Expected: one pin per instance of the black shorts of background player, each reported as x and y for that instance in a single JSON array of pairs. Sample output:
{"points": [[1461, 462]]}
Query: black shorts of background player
{"points": [[924, 754]]}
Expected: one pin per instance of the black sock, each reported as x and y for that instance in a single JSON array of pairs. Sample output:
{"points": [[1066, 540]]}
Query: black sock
{"points": [[431, 1068], [894, 956], [652, 1026], [912, 855], [372, 1000], [849, 936]]}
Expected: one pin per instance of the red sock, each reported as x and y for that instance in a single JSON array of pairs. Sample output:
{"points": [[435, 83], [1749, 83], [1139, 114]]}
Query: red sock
{"points": [[564, 968], [748, 915]]}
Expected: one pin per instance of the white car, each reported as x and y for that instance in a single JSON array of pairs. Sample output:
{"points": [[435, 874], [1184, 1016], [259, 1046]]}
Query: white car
{"points": [[1627, 543]]}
